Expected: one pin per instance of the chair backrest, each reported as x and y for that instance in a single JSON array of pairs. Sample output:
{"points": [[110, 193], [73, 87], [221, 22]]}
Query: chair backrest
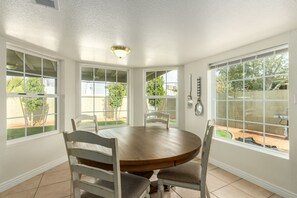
{"points": [[82, 145], [156, 117], [85, 123], [206, 148]]}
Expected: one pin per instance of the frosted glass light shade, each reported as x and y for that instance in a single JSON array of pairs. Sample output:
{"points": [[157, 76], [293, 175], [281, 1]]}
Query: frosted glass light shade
{"points": [[120, 51]]}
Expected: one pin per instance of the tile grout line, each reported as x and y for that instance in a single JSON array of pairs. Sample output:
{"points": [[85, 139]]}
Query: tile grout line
{"points": [[218, 189], [272, 195], [38, 185], [251, 194], [215, 196], [243, 191], [239, 178], [176, 193], [57, 183], [224, 185], [219, 179]]}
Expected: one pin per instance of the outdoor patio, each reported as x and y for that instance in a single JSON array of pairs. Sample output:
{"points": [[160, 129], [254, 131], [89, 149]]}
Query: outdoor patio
{"points": [[280, 142]]}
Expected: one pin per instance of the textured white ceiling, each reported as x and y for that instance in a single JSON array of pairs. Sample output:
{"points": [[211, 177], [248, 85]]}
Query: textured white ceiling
{"points": [[159, 32]]}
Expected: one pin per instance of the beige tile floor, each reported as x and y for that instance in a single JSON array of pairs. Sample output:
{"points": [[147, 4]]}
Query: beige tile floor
{"points": [[55, 183]]}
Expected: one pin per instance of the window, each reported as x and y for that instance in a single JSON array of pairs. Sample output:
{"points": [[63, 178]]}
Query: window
{"points": [[251, 99], [161, 93], [104, 94], [31, 87]]}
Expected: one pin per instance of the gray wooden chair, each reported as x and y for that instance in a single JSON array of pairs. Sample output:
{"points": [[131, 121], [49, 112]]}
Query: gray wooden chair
{"points": [[85, 123], [81, 144], [156, 118], [192, 174]]}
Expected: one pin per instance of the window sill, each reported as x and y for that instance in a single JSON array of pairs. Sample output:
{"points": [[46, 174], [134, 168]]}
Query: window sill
{"points": [[13, 142], [255, 148]]}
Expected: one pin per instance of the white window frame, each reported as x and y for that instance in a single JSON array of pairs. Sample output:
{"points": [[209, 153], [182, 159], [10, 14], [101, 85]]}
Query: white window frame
{"points": [[212, 102], [94, 66], [56, 96], [176, 97]]}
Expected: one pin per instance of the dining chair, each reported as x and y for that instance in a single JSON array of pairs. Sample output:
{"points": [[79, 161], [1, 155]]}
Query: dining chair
{"points": [[192, 174], [156, 117], [85, 122], [82, 145]]}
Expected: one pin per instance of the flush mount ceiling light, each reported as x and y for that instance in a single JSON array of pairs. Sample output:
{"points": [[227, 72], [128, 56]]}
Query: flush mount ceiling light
{"points": [[120, 51]]}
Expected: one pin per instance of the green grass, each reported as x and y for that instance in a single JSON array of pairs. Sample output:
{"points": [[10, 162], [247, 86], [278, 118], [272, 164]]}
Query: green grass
{"points": [[223, 133], [114, 122], [20, 132]]}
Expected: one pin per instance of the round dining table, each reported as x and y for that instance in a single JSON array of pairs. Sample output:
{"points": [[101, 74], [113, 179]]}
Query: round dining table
{"points": [[150, 148]]}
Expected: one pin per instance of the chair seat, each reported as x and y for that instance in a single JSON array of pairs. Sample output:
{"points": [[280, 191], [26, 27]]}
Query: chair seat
{"points": [[192, 174], [133, 186], [187, 173]]}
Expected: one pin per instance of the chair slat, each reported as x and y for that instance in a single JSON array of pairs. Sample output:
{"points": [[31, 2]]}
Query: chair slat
{"points": [[90, 146], [85, 122], [84, 117], [85, 125], [152, 120], [92, 138], [94, 172], [156, 117], [91, 155], [94, 189]]}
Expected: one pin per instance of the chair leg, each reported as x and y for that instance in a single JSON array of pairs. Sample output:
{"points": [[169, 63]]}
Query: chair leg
{"points": [[148, 192], [76, 192], [207, 192], [147, 195], [202, 193], [202, 190], [160, 188]]}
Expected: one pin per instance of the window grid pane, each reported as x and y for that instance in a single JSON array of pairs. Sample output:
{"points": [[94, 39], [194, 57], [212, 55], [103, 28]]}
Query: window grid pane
{"points": [[105, 96], [255, 110], [161, 93], [31, 97]]}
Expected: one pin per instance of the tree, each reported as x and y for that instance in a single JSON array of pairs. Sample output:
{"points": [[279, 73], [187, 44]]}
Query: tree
{"points": [[36, 108], [117, 92], [246, 79], [154, 87], [15, 84], [274, 65], [32, 106]]}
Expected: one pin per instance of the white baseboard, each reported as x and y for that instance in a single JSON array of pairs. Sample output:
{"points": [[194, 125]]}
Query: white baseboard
{"points": [[251, 178], [28, 175]]}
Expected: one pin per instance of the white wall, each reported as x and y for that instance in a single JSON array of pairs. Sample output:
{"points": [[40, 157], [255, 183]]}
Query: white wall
{"points": [[181, 99], [25, 159], [136, 97], [272, 172]]}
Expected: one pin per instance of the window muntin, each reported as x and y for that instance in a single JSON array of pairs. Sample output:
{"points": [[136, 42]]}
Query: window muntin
{"points": [[104, 94], [161, 93], [252, 100], [31, 87]]}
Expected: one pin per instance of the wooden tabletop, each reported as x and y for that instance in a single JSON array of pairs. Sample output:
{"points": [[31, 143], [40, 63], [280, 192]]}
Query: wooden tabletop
{"points": [[151, 148]]}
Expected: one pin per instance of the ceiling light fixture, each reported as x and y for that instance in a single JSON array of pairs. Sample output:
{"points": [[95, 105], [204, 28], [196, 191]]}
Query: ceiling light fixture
{"points": [[120, 51]]}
